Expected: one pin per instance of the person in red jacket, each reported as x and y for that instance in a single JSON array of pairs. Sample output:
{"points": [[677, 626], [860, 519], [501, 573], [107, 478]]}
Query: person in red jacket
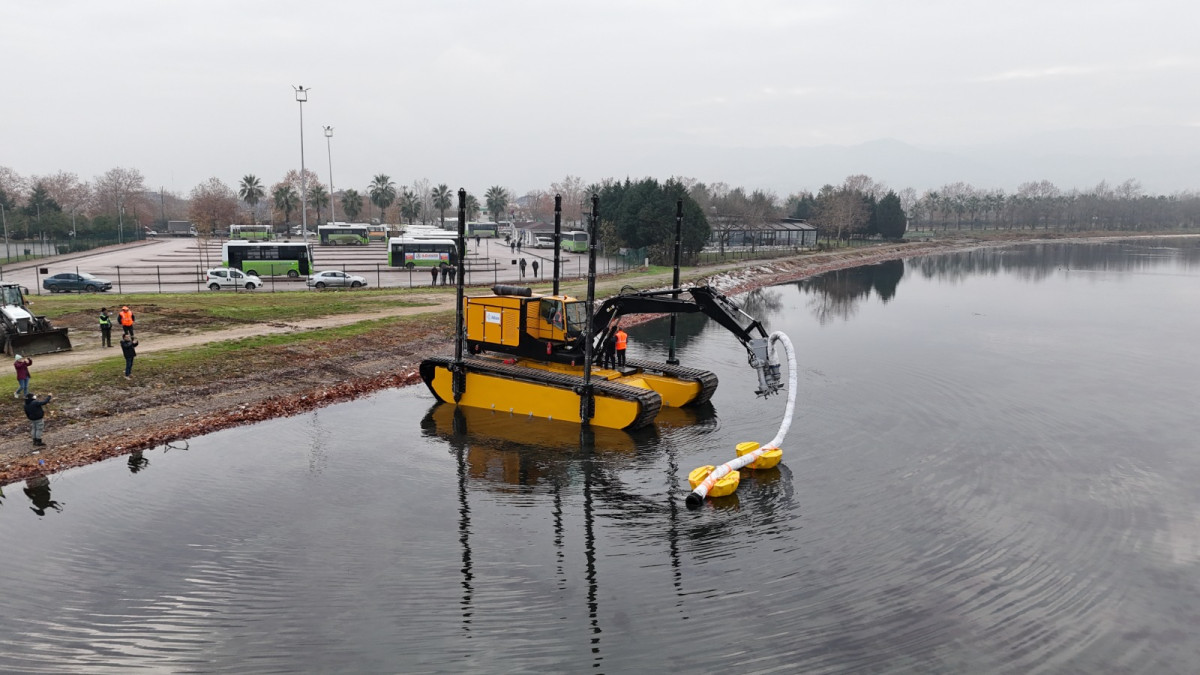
{"points": [[22, 365]]}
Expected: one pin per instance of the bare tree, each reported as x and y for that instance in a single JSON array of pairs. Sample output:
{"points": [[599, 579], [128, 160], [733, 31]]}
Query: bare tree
{"points": [[423, 189], [573, 195], [72, 194], [118, 189], [213, 204]]}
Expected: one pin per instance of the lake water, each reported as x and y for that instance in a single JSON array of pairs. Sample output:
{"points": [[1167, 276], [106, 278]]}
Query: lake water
{"points": [[993, 469]]}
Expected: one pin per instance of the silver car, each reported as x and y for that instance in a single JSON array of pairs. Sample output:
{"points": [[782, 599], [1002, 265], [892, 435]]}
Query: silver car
{"points": [[335, 279]]}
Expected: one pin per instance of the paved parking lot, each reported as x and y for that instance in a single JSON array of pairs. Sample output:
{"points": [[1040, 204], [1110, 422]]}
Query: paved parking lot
{"points": [[172, 265]]}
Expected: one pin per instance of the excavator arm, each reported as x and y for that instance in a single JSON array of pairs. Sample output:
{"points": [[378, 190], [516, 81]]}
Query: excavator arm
{"points": [[748, 330]]}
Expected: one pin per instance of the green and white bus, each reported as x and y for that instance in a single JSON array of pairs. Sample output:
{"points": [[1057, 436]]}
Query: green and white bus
{"points": [[482, 230], [348, 234], [250, 232], [575, 242], [265, 259], [413, 252]]}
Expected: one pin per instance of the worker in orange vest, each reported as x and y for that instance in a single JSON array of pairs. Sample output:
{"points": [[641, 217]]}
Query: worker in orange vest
{"points": [[125, 318], [622, 339]]}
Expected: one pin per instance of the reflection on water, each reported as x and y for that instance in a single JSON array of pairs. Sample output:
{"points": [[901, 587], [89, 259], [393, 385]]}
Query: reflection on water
{"points": [[996, 474]]}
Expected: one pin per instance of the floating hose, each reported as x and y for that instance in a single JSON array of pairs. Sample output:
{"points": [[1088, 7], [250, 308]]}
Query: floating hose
{"points": [[769, 453]]}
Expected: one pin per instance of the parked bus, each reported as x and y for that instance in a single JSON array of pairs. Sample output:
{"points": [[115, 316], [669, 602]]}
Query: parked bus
{"points": [[347, 234], [575, 242], [253, 232], [378, 231], [413, 252], [482, 230], [264, 259]]}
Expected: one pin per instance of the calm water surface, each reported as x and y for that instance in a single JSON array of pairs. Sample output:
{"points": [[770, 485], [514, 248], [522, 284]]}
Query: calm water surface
{"points": [[994, 469]]}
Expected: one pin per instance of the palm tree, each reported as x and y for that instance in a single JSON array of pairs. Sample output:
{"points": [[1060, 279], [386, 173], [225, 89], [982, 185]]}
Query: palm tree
{"points": [[250, 192], [351, 205], [286, 200], [318, 198], [472, 207], [442, 200], [383, 193], [410, 206], [497, 201]]}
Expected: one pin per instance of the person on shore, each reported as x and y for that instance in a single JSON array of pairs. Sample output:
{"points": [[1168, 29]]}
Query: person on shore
{"points": [[22, 363], [477, 243], [622, 340], [34, 411], [445, 273], [105, 328], [535, 269], [125, 318], [434, 271], [512, 246], [453, 274], [518, 246], [128, 348]]}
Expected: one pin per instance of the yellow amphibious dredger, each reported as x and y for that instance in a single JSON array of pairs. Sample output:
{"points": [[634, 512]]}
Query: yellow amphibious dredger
{"points": [[533, 355]]}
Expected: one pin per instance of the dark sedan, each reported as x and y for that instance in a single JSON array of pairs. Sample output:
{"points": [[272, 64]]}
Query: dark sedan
{"points": [[69, 281]]}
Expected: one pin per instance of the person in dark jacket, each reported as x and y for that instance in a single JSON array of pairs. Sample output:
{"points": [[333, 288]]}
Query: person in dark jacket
{"points": [[105, 328], [608, 356], [535, 269], [36, 415], [434, 270], [128, 344], [522, 266]]}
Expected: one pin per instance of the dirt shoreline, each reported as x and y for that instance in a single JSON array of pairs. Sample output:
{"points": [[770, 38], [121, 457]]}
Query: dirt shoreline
{"points": [[156, 413]]}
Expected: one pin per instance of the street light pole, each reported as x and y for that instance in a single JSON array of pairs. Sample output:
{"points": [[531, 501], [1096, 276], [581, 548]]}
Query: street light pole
{"points": [[329, 151], [4, 218], [301, 97], [121, 224]]}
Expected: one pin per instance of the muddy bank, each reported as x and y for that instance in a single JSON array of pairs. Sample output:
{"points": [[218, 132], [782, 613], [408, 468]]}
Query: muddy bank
{"points": [[155, 413]]}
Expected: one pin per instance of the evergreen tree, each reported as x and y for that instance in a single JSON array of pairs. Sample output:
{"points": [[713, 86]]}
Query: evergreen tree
{"points": [[890, 218]]}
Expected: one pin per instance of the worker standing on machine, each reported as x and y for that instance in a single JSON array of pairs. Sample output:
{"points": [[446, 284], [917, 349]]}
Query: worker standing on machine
{"points": [[622, 340]]}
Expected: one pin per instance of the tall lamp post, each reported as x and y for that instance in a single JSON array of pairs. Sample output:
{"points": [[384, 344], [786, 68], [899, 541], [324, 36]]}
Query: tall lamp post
{"points": [[4, 219], [329, 150], [302, 96]]}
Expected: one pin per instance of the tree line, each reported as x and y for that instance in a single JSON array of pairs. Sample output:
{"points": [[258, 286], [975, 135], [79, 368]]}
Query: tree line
{"points": [[62, 205]]}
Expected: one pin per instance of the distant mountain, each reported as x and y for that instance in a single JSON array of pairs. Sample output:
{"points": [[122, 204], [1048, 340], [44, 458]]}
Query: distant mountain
{"points": [[1164, 159]]}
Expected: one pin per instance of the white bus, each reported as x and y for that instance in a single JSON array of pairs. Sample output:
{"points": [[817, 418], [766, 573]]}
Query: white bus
{"points": [[354, 234], [250, 232], [413, 252]]}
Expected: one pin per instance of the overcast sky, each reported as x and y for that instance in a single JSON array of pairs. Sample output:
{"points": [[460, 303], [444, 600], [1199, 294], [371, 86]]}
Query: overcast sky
{"points": [[522, 93]]}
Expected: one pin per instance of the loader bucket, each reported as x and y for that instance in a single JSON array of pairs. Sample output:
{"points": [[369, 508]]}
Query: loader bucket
{"points": [[32, 344]]}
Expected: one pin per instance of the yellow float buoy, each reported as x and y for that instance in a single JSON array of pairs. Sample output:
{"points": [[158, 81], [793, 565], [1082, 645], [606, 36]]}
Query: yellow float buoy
{"points": [[767, 460], [725, 485]]}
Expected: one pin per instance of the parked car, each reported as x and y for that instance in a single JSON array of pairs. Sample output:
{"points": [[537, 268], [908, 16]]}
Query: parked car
{"points": [[334, 279], [69, 281], [544, 242], [228, 277]]}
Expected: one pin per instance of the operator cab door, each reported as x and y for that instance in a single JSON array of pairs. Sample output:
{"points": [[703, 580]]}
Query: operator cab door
{"points": [[548, 321]]}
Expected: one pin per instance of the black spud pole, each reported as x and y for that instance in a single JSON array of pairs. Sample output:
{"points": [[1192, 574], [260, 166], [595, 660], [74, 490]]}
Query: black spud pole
{"points": [[557, 238], [459, 380], [675, 279]]}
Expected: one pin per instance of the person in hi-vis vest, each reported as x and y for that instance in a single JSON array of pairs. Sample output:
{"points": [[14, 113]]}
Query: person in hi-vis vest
{"points": [[125, 318], [622, 340]]}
